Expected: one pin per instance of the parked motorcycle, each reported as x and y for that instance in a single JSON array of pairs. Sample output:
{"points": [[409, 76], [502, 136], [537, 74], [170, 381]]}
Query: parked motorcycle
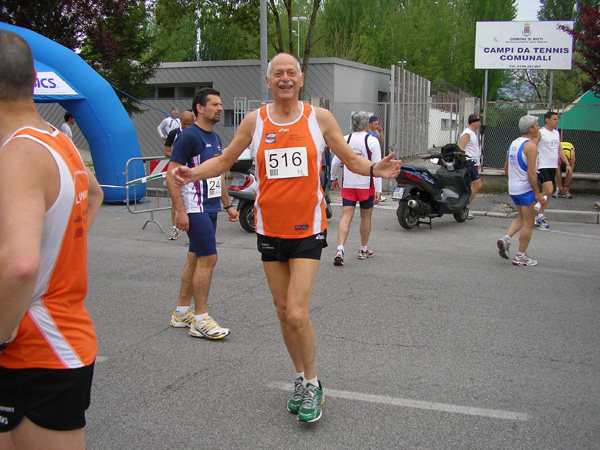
{"points": [[422, 194], [242, 189]]}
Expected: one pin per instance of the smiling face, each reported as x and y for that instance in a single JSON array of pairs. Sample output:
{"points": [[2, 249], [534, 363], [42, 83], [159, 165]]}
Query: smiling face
{"points": [[284, 77]]}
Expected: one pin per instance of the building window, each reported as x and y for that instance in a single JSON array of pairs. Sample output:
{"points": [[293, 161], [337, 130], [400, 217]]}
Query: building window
{"points": [[186, 91], [175, 92], [165, 92], [228, 117], [447, 123]]}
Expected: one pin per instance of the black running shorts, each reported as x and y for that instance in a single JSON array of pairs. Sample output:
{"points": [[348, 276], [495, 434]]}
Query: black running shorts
{"points": [[282, 250], [55, 399], [546, 174]]}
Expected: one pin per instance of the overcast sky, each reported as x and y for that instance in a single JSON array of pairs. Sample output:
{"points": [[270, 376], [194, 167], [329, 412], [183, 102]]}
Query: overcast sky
{"points": [[527, 9]]}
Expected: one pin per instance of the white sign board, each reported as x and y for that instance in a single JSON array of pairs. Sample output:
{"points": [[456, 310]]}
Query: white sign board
{"points": [[523, 45], [49, 83]]}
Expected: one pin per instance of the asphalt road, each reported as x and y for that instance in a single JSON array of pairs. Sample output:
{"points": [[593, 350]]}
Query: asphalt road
{"points": [[434, 343]]}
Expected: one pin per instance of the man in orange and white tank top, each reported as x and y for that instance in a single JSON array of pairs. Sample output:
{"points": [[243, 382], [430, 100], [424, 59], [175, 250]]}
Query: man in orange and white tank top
{"points": [[287, 140], [48, 202]]}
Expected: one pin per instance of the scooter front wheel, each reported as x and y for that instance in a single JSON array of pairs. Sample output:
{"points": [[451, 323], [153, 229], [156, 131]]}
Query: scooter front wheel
{"points": [[247, 217], [407, 217], [462, 215]]}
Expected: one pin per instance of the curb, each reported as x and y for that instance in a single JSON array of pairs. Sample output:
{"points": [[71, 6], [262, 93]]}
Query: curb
{"points": [[551, 214], [558, 215]]}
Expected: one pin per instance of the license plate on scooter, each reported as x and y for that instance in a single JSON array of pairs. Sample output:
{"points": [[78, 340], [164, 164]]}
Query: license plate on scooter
{"points": [[398, 193]]}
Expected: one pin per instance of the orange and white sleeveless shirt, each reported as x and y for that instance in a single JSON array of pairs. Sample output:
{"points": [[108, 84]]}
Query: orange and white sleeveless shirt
{"points": [[57, 332], [289, 198]]}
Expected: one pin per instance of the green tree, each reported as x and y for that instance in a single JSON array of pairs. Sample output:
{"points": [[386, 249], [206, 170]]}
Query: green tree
{"points": [[175, 30], [228, 29], [113, 36], [435, 37], [120, 48], [587, 35]]}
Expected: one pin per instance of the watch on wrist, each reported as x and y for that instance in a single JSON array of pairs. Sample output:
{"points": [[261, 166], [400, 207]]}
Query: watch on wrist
{"points": [[5, 344], [227, 207]]}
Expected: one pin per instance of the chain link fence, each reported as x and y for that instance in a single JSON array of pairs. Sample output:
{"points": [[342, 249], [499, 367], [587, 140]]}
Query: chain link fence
{"points": [[576, 125]]}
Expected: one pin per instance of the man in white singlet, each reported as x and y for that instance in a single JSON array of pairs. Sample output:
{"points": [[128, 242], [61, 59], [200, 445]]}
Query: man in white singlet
{"points": [[357, 188], [469, 143], [549, 152], [523, 189]]}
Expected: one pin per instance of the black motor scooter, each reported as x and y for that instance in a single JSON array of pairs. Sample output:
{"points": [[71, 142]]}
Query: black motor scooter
{"points": [[422, 194], [242, 189]]}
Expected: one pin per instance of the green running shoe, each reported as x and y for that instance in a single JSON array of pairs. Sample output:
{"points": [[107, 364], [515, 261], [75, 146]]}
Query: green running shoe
{"points": [[312, 403], [295, 401]]}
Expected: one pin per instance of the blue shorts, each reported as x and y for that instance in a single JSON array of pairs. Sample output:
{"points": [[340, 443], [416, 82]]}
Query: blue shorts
{"points": [[201, 233], [474, 173], [525, 199]]}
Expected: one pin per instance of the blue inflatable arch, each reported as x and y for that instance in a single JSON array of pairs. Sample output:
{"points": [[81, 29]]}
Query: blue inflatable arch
{"points": [[93, 103]]}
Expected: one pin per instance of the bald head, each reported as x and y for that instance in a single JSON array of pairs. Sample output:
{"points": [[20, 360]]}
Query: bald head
{"points": [[280, 55], [187, 118], [17, 73]]}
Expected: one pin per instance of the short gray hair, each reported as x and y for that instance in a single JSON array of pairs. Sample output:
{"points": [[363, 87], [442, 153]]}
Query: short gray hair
{"points": [[526, 122], [359, 120]]}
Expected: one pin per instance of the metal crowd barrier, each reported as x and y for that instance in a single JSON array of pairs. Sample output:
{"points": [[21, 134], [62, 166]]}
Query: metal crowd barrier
{"points": [[154, 176]]}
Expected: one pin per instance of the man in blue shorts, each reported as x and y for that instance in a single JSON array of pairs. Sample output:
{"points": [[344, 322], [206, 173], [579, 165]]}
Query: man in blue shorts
{"points": [[357, 188], [520, 168], [196, 207]]}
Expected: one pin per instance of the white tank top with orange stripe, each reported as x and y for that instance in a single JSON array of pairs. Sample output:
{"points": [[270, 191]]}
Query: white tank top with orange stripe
{"points": [[289, 198], [57, 332]]}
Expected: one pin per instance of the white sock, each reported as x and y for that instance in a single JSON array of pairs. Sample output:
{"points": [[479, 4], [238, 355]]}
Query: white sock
{"points": [[363, 248], [174, 228], [314, 382], [507, 238], [520, 255], [181, 310], [300, 375], [341, 247], [200, 317], [540, 216]]}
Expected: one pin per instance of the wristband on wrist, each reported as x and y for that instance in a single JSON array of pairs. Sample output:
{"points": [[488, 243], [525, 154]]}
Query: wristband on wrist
{"points": [[371, 170], [227, 207]]}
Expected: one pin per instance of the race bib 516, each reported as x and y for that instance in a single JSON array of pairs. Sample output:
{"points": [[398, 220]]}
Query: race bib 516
{"points": [[286, 162]]}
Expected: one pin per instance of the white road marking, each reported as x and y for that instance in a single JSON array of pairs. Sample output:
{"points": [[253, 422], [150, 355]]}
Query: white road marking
{"points": [[574, 234], [407, 403]]}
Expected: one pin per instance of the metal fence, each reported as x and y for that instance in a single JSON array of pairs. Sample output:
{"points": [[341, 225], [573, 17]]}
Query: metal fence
{"points": [[578, 124], [151, 173]]}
